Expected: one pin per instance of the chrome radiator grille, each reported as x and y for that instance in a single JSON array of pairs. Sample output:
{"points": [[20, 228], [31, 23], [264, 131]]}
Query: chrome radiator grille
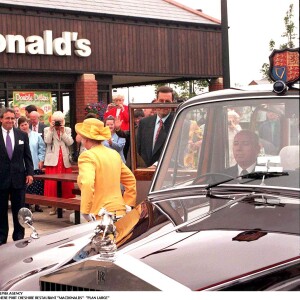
{"points": [[93, 275]]}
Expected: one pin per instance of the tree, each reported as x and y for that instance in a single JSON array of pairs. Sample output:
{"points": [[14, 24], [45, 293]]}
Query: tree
{"points": [[186, 89], [289, 34]]}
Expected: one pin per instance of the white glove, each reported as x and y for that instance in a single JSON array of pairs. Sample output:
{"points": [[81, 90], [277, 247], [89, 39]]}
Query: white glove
{"points": [[89, 217], [128, 208]]}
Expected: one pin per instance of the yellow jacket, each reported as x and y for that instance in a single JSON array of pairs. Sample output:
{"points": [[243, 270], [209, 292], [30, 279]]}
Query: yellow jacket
{"points": [[100, 172]]}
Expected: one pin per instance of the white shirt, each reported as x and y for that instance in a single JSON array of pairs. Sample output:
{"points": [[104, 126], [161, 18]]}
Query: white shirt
{"points": [[249, 169], [157, 126], [35, 127], [118, 112]]}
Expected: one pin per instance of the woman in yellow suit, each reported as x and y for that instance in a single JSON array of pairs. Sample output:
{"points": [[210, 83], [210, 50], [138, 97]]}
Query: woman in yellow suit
{"points": [[101, 170]]}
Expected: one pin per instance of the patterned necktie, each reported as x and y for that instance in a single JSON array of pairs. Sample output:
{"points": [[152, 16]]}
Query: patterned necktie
{"points": [[244, 172], [34, 128], [161, 123], [9, 145]]}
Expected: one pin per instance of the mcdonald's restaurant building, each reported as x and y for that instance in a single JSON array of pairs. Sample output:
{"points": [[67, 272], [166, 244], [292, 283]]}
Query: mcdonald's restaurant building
{"points": [[78, 51]]}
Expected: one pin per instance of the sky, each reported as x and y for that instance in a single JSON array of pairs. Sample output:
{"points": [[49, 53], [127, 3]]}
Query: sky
{"points": [[252, 24]]}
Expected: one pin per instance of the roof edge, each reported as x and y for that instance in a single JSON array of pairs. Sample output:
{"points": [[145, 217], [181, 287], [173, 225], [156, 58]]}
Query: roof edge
{"points": [[96, 14], [194, 11]]}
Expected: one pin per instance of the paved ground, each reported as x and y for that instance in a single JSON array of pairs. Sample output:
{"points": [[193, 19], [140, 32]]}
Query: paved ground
{"points": [[43, 222]]}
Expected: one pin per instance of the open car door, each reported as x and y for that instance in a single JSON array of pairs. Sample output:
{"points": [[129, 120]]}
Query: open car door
{"points": [[142, 173]]}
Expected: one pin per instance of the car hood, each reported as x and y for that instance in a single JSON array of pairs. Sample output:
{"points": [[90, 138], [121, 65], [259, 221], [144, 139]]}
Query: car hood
{"points": [[171, 261], [222, 239], [202, 252], [22, 260], [198, 260]]}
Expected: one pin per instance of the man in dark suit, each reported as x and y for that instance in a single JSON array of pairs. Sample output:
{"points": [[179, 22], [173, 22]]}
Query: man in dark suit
{"points": [[245, 151], [15, 173], [153, 130], [35, 124], [29, 109], [269, 130], [17, 115]]}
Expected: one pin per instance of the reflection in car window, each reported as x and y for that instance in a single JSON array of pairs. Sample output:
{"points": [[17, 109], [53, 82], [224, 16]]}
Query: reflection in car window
{"points": [[200, 149], [191, 145]]}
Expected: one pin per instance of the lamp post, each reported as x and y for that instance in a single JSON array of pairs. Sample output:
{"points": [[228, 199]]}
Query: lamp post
{"points": [[225, 45]]}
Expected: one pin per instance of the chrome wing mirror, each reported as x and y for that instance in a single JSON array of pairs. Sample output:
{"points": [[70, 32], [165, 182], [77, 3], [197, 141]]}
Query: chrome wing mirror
{"points": [[26, 220]]}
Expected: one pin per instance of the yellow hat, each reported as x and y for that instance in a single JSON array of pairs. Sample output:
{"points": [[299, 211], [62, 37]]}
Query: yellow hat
{"points": [[93, 129]]}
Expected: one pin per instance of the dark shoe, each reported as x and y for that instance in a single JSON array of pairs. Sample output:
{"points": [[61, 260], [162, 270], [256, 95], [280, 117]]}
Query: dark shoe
{"points": [[38, 209], [17, 238], [3, 240], [28, 206]]}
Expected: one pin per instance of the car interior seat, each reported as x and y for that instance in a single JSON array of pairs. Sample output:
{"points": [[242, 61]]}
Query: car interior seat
{"points": [[289, 156]]}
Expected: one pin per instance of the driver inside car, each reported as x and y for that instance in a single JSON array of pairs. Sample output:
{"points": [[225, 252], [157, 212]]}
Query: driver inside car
{"points": [[245, 149]]}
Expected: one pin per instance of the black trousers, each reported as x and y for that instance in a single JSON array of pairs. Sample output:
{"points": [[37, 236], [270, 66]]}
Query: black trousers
{"points": [[17, 199]]}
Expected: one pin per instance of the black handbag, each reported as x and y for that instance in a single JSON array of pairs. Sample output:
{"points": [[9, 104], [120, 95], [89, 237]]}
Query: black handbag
{"points": [[73, 156]]}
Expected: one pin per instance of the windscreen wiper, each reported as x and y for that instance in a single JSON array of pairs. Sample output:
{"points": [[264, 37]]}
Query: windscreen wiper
{"points": [[263, 201], [253, 175]]}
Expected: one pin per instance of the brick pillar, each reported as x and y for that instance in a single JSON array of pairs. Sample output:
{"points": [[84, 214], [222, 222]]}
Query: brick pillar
{"points": [[216, 84], [86, 92]]}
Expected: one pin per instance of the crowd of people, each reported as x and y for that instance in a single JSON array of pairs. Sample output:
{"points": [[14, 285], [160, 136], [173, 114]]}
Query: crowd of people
{"points": [[29, 147]]}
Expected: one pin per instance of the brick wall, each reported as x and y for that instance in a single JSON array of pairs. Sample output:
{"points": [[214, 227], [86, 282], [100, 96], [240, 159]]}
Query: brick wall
{"points": [[86, 92], [216, 84]]}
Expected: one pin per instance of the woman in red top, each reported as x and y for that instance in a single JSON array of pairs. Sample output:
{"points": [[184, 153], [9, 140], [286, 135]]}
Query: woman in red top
{"points": [[117, 109]]}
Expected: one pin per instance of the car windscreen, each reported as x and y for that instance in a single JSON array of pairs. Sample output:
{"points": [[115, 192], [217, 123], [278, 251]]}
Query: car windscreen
{"points": [[219, 141]]}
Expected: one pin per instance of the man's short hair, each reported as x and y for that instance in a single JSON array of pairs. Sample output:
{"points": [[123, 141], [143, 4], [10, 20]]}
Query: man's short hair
{"points": [[165, 89], [34, 113], [30, 108], [5, 110], [138, 113], [252, 135]]}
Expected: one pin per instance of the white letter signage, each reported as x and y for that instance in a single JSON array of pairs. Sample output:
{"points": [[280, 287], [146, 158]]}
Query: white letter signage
{"points": [[46, 45]]}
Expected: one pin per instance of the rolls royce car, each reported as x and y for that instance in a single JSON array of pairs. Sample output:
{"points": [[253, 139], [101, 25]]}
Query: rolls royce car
{"points": [[222, 211]]}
